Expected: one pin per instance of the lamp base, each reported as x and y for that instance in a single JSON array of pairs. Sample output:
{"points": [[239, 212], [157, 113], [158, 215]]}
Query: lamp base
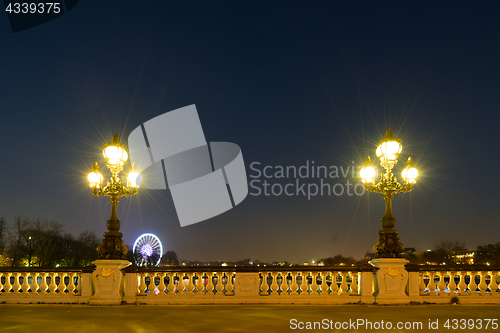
{"points": [[391, 281], [108, 279], [388, 245]]}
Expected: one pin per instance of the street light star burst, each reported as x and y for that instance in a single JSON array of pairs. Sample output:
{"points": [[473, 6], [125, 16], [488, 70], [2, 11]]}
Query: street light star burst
{"points": [[388, 151]]}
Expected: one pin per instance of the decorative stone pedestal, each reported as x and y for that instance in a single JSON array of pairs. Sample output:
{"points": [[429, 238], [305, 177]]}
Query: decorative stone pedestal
{"points": [[247, 285], [108, 280], [391, 280]]}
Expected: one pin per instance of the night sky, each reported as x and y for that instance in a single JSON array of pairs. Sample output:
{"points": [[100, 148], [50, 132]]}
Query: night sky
{"points": [[290, 83]]}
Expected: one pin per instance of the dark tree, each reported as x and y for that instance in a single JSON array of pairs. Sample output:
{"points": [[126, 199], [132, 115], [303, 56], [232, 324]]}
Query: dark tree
{"points": [[2, 235], [446, 252], [15, 247], [142, 261], [170, 259], [45, 234], [487, 254], [41, 242], [339, 260], [244, 262]]}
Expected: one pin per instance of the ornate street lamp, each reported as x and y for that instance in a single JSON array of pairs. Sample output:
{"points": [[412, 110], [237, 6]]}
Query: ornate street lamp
{"points": [[388, 151], [112, 245]]}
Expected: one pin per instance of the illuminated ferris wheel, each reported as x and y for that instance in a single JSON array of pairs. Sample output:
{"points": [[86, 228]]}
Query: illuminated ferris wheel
{"points": [[147, 250]]}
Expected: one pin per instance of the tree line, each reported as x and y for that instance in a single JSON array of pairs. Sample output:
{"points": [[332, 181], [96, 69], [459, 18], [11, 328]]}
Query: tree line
{"points": [[37, 242]]}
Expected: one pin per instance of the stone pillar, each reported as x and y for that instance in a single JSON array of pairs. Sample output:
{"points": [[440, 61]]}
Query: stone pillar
{"points": [[131, 286], [86, 287], [246, 285], [108, 279], [414, 283], [366, 284], [391, 280]]}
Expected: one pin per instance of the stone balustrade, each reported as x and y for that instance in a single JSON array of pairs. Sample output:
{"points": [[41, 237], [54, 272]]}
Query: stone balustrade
{"points": [[235, 285], [438, 284], [45, 285], [298, 284]]}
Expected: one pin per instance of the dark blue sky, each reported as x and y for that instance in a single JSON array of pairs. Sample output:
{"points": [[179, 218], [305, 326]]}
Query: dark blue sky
{"points": [[289, 82]]}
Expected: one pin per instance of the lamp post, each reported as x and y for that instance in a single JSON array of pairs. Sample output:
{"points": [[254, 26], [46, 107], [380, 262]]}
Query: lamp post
{"points": [[388, 245], [112, 245]]}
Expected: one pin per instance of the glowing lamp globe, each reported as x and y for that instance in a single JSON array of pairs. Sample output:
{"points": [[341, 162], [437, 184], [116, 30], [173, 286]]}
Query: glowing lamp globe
{"points": [[114, 152], [389, 151], [367, 175], [410, 173], [94, 177], [134, 179], [389, 148]]}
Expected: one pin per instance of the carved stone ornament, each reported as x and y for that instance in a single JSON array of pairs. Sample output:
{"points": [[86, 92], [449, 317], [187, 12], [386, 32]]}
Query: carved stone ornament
{"points": [[106, 271], [393, 271]]}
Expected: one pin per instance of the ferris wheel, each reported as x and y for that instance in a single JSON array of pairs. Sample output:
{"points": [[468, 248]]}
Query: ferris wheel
{"points": [[147, 250]]}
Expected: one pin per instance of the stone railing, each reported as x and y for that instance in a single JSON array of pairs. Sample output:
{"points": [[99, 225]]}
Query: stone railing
{"points": [[45, 285], [438, 284], [298, 284], [388, 281]]}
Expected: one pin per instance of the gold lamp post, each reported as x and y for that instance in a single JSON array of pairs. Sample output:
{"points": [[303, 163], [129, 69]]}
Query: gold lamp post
{"points": [[388, 151], [112, 245]]}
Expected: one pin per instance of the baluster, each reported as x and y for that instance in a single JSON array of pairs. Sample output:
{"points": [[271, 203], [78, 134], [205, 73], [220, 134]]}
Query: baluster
{"points": [[61, 286], [472, 283], [314, 284], [274, 284], [171, 284], [34, 284], [493, 283], [1, 284], [25, 287], [8, 285], [304, 286], [354, 283], [161, 285], [210, 284], [452, 285], [71, 285], [142, 283], [52, 285], [44, 286], [199, 284], [442, 284], [324, 285], [229, 285], [462, 286], [334, 287], [294, 286], [264, 286], [482, 283], [432, 285], [344, 288], [79, 283], [181, 286], [284, 284], [190, 284], [152, 285], [421, 283], [16, 286], [220, 287]]}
